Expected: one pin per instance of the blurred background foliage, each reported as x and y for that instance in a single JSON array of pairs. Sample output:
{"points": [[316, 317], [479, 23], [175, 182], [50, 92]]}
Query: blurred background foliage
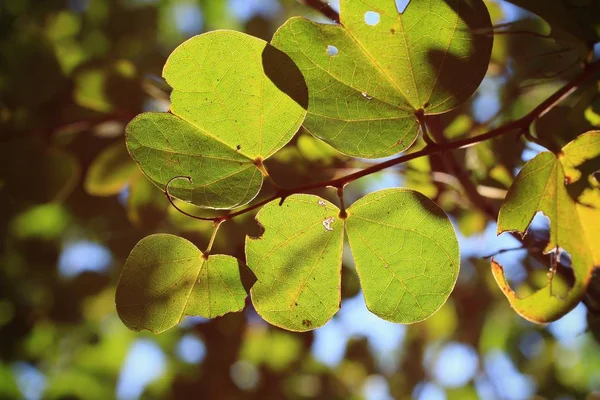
{"points": [[74, 72]]}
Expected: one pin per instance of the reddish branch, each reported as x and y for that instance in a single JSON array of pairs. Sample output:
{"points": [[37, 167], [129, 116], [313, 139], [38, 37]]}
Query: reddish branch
{"points": [[518, 126]]}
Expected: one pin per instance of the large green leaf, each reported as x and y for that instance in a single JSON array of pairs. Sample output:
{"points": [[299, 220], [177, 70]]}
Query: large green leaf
{"points": [[166, 278], [368, 76], [236, 100], [297, 262], [406, 254], [564, 188]]}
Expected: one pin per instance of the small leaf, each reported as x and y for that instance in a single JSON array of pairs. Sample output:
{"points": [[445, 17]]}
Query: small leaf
{"points": [[236, 100], [369, 75], [110, 171], [166, 278], [297, 262], [406, 254], [564, 189]]}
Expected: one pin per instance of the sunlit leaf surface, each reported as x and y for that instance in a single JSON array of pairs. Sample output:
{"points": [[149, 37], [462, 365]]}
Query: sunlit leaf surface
{"points": [[368, 76], [566, 190], [406, 254], [166, 278], [235, 101], [297, 262]]}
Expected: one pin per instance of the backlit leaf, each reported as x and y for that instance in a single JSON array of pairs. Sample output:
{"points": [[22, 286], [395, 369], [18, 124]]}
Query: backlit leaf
{"points": [[166, 278], [368, 76], [564, 188], [406, 254], [236, 100], [297, 262]]}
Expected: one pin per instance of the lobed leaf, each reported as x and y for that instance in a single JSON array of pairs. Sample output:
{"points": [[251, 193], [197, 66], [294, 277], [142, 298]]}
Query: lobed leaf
{"points": [[565, 189], [297, 262], [166, 278], [369, 76], [236, 100], [406, 254]]}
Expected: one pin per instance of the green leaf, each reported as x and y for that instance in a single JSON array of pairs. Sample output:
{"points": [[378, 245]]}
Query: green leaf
{"points": [[564, 188], [166, 278], [366, 81], [110, 171], [297, 262], [236, 100], [406, 254]]}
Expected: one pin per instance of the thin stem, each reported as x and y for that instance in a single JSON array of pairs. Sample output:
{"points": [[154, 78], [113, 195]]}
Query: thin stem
{"points": [[420, 114], [502, 251], [168, 196], [343, 214], [516, 126], [216, 226]]}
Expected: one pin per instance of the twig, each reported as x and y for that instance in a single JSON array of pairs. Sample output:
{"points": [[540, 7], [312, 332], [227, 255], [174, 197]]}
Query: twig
{"points": [[511, 127]]}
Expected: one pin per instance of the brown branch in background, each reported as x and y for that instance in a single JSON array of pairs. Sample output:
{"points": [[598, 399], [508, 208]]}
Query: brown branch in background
{"points": [[324, 9], [453, 167]]}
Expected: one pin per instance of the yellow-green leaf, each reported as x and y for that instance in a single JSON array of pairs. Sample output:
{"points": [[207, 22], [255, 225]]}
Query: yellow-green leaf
{"points": [[166, 278], [368, 76], [564, 188], [406, 254], [236, 100], [297, 262]]}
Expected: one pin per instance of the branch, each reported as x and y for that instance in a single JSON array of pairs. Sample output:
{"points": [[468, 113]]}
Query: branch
{"points": [[520, 125], [324, 9]]}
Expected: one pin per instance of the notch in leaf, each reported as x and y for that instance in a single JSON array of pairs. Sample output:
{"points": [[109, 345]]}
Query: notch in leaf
{"points": [[564, 188], [236, 100]]}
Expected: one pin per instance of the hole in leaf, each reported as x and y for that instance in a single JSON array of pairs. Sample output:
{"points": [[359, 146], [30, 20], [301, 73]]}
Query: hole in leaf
{"points": [[596, 176], [372, 18], [332, 50], [401, 5], [328, 222]]}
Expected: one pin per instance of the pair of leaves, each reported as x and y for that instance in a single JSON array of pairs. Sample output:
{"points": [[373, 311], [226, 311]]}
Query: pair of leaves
{"points": [[166, 278], [564, 187], [404, 247], [407, 263], [237, 100]]}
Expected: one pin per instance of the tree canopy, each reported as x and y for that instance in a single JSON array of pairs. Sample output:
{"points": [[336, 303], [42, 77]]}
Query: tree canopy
{"points": [[299, 199]]}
